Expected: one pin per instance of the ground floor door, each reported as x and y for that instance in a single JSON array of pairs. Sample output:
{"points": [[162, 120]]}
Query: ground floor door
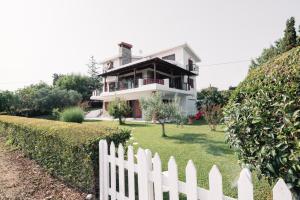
{"points": [[136, 108]]}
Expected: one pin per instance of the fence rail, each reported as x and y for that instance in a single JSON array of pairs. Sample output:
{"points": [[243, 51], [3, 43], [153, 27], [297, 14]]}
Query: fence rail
{"points": [[117, 178]]}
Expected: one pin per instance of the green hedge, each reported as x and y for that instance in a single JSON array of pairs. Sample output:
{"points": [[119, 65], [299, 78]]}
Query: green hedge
{"points": [[68, 151], [263, 119]]}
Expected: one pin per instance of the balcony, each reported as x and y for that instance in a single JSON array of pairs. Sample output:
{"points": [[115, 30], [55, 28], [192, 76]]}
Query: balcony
{"points": [[131, 89]]}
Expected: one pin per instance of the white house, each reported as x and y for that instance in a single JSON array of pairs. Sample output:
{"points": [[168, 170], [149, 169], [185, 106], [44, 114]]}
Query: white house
{"points": [[172, 72]]}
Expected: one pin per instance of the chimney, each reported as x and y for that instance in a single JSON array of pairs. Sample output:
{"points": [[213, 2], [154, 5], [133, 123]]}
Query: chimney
{"points": [[125, 53]]}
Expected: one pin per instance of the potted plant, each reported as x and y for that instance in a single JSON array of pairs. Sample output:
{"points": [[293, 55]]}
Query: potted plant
{"points": [[191, 118]]}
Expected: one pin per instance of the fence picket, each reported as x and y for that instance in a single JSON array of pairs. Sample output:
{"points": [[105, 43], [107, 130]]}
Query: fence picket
{"points": [[121, 171], [101, 169], [105, 170], [245, 187], [131, 185], [150, 168], [142, 175], [191, 181], [281, 191], [157, 176], [173, 179], [215, 184], [113, 171]]}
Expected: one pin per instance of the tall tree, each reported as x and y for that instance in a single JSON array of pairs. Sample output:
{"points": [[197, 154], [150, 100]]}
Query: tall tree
{"points": [[287, 42], [290, 35], [94, 74]]}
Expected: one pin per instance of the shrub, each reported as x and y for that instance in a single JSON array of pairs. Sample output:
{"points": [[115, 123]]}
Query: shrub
{"points": [[209, 96], [68, 151], [40, 99], [118, 109], [263, 119], [74, 114], [213, 115], [56, 113]]}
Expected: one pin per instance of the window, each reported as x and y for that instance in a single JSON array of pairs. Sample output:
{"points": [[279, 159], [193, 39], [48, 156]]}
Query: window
{"points": [[169, 57], [191, 65], [191, 83]]}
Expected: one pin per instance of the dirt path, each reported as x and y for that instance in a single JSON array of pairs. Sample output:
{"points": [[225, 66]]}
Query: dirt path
{"points": [[21, 178]]}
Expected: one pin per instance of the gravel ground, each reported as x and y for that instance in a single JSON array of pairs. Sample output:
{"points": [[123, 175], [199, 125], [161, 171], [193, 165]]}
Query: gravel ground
{"points": [[21, 178]]}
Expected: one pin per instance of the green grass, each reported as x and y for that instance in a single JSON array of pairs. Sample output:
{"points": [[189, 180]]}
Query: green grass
{"points": [[197, 143]]}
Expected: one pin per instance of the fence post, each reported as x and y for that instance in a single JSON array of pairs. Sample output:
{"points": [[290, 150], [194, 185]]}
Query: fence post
{"points": [[131, 185], [245, 187], [157, 176], [191, 181], [142, 175], [113, 171], [105, 170], [121, 171], [281, 191], [149, 162], [215, 184], [101, 169], [173, 179]]}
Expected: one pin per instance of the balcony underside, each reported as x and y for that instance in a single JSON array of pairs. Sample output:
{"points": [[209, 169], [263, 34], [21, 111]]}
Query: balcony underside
{"points": [[142, 91]]}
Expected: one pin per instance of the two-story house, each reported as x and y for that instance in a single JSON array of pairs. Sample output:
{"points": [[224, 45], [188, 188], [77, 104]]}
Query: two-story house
{"points": [[172, 72]]}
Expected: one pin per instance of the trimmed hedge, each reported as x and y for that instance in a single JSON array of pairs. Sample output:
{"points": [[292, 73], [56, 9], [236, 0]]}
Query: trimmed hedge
{"points": [[68, 151], [263, 119]]}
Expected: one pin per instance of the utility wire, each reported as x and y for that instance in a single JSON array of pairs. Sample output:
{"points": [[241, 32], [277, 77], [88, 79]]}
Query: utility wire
{"points": [[225, 63]]}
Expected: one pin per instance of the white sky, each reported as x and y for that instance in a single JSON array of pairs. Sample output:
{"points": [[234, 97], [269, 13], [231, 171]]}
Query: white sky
{"points": [[42, 37]]}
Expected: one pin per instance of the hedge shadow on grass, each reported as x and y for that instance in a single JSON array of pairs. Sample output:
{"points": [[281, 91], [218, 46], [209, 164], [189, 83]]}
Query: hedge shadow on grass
{"points": [[212, 147]]}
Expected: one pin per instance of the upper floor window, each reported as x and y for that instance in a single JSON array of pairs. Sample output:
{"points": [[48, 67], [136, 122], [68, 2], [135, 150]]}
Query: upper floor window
{"points": [[169, 57], [190, 65]]}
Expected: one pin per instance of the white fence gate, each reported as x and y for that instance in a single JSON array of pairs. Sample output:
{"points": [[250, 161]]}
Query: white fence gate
{"points": [[152, 182]]}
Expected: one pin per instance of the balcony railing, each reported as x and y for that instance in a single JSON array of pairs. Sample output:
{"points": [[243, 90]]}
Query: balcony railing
{"points": [[130, 84], [150, 81]]}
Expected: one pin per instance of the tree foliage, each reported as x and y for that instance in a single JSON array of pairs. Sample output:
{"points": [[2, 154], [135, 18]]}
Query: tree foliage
{"points": [[8, 102], [282, 45], [119, 109], [80, 83], [37, 99], [154, 108], [212, 96], [263, 119], [94, 74]]}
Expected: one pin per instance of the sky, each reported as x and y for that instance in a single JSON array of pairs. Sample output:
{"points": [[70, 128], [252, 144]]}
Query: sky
{"points": [[42, 37]]}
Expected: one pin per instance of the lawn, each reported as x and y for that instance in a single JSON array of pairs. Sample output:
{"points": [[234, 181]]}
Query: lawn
{"points": [[195, 142]]}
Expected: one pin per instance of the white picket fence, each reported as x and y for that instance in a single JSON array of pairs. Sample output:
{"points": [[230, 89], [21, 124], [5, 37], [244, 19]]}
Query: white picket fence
{"points": [[152, 181]]}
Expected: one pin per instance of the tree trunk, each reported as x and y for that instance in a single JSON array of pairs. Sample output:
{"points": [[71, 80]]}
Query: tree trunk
{"points": [[120, 120], [163, 130]]}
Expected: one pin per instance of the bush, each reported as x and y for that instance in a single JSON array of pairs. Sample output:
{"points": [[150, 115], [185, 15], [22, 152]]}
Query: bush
{"points": [[68, 151], [56, 113], [213, 115], [40, 99], [209, 96], [263, 119], [74, 114]]}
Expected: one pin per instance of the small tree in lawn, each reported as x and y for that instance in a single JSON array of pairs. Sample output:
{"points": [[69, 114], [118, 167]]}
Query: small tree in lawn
{"points": [[154, 107], [118, 109], [212, 115]]}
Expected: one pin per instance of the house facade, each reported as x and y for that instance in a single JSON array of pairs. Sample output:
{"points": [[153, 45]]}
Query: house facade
{"points": [[172, 72]]}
